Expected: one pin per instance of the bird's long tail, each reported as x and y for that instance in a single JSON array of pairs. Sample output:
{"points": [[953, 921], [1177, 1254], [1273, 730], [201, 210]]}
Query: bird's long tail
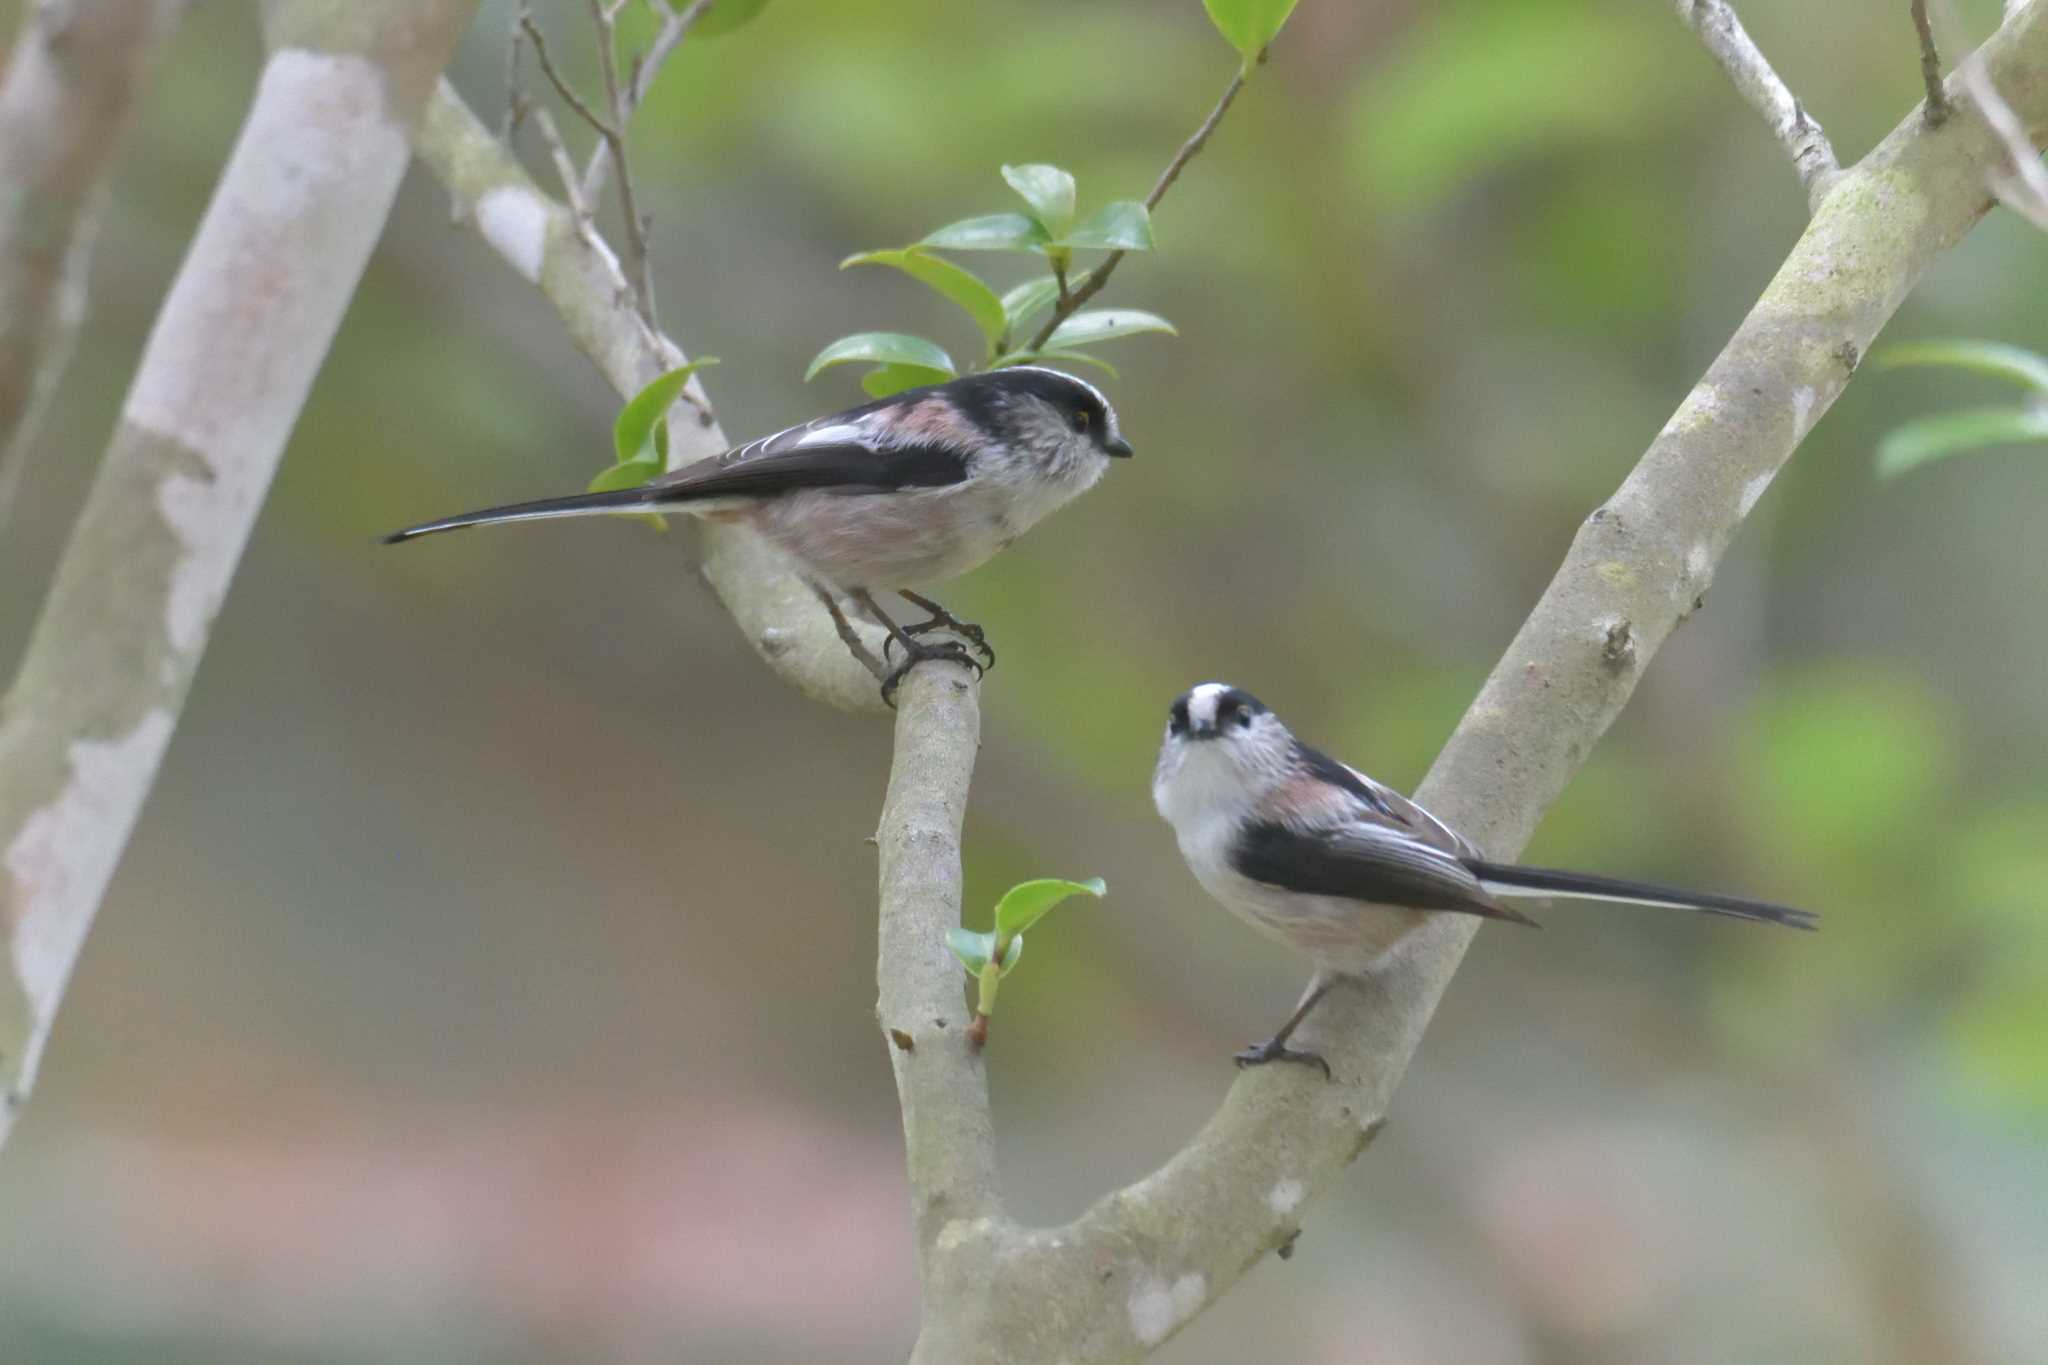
{"points": [[616, 503], [1509, 879]]}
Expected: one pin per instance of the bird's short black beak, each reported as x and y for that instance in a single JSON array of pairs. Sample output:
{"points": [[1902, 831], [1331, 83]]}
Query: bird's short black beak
{"points": [[1117, 446]]}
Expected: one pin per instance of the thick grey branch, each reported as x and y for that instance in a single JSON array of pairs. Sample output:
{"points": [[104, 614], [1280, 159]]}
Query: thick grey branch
{"points": [[2025, 189], [1146, 1259], [1730, 44], [578, 274], [77, 70], [922, 1005], [233, 352]]}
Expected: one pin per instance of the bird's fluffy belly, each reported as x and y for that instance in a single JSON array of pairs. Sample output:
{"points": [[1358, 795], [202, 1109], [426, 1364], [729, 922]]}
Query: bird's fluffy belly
{"points": [[886, 540], [1344, 936]]}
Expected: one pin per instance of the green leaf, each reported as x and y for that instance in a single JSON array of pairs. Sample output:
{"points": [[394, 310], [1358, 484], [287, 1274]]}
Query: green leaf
{"points": [[1951, 433], [991, 232], [1010, 956], [626, 474], [1050, 192], [1985, 357], [633, 430], [1105, 324], [957, 283], [884, 348], [724, 16], [1028, 298], [973, 950], [1249, 25], [884, 380], [1125, 225], [1025, 903]]}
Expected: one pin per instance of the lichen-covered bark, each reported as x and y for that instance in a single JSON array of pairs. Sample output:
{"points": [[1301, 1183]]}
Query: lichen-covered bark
{"points": [[539, 237], [76, 72], [949, 1138], [1117, 1282], [233, 353]]}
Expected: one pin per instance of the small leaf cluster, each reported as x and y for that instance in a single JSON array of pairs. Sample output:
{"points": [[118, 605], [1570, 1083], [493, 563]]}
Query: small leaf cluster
{"points": [[640, 433], [1927, 439], [1052, 229], [990, 956]]}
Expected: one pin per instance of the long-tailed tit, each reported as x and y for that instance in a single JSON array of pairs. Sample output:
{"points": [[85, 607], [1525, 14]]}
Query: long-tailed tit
{"points": [[911, 489], [1336, 865]]}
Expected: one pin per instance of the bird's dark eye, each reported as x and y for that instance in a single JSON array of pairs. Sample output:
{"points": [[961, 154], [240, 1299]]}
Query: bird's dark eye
{"points": [[1081, 419], [1244, 720], [1177, 719]]}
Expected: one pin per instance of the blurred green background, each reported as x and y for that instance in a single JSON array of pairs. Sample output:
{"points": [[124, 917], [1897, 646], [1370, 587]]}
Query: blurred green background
{"points": [[491, 974]]}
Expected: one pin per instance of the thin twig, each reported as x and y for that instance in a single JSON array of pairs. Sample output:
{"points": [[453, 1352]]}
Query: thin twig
{"points": [[646, 67], [1091, 284], [562, 87], [639, 264], [515, 102], [1722, 34], [1930, 67], [516, 107], [558, 151]]}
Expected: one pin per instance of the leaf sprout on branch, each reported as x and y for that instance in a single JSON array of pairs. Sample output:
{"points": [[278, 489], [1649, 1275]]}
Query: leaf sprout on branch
{"points": [[989, 956]]}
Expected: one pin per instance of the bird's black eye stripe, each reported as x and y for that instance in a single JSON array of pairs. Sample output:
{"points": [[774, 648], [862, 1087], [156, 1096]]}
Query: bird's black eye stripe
{"points": [[1177, 719], [1082, 419]]}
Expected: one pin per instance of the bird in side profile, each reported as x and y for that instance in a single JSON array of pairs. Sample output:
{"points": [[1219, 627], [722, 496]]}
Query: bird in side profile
{"points": [[1336, 865], [911, 489]]}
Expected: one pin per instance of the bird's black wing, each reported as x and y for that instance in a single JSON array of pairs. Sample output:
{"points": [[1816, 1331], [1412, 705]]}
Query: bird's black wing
{"points": [[1363, 860], [843, 463]]}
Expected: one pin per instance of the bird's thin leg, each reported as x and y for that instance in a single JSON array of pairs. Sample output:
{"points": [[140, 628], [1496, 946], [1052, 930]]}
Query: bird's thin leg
{"points": [[915, 651], [854, 644], [1275, 1049], [941, 619]]}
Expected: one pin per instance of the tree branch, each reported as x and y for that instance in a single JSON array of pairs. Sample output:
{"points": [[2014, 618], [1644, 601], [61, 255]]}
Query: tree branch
{"points": [[1121, 1279], [598, 123], [639, 260], [2025, 189], [1722, 34], [72, 83], [578, 274], [940, 1080], [1937, 107], [674, 28], [1135, 1268], [1091, 284], [227, 366]]}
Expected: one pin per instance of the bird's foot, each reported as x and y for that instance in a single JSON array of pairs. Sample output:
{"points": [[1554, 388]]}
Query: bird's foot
{"points": [[1273, 1050], [941, 619], [916, 652]]}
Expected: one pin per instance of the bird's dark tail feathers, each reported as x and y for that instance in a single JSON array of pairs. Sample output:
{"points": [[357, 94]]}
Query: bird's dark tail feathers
{"points": [[1510, 879], [620, 501]]}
